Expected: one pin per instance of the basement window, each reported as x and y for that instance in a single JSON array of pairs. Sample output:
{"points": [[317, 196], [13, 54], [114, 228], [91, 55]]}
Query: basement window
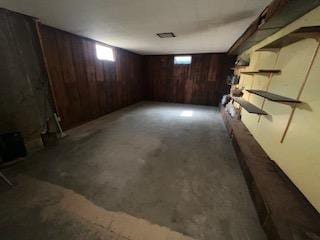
{"points": [[104, 53], [187, 113], [182, 60]]}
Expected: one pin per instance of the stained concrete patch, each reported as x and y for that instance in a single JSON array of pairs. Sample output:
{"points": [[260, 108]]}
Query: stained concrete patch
{"points": [[61, 201]]}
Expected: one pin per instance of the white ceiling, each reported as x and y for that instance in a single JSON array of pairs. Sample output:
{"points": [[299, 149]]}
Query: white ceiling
{"points": [[200, 25]]}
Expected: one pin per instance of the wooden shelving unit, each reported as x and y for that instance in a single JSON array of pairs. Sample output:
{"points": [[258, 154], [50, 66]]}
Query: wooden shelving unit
{"points": [[249, 107], [272, 97], [276, 46], [298, 35]]}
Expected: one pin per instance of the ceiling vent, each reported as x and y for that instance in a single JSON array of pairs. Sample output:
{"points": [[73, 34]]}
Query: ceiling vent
{"points": [[166, 35]]}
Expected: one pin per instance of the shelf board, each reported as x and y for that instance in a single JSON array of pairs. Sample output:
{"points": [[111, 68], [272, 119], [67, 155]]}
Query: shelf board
{"points": [[249, 107], [269, 71], [262, 71], [298, 35], [249, 72], [272, 97]]}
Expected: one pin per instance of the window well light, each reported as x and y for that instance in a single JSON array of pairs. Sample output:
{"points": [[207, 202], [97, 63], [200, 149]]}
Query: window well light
{"points": [[182, 59], [186, 113], [104, 53]]}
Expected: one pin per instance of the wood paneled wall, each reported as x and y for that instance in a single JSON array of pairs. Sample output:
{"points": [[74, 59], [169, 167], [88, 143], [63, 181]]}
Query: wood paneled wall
{"points": [[85, 87], [201, 82]]}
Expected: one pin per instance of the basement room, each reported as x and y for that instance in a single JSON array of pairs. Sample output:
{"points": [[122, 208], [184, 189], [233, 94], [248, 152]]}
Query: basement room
{"points": [[160, 120]]}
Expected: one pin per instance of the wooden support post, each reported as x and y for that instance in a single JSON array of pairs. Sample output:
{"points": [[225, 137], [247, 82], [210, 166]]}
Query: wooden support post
{"points": [[44, 57]]}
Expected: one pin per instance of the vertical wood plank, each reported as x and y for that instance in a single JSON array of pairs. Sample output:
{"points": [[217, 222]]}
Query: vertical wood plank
{"points": [[203, 82], [85, 87]]}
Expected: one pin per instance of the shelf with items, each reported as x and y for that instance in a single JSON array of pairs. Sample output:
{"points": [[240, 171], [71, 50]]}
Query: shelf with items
{"points": [[233, 79], [239, 64], [249, 107], [293, 37], [242, 63], [238, 67], [272, 97]]}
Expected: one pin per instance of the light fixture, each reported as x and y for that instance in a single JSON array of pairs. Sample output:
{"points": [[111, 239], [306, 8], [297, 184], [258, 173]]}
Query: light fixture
{"points": [[166, 35]]}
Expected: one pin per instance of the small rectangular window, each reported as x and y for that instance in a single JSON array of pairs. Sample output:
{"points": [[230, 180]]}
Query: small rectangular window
{"points": [[104, 53], [182, 60]]}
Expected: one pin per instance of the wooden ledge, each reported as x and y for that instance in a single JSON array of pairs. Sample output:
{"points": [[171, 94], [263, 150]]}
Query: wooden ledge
{"points": [[283, 211]]}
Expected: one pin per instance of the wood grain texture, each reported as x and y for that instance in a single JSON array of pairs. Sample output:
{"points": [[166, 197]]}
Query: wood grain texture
{"points": [[86, 88], [202, 82]]}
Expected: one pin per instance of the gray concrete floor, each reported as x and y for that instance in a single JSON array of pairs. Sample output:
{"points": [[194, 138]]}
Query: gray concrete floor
{"points": [[160, 166]]}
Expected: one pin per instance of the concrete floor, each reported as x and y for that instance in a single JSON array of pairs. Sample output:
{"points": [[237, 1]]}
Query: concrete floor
{"points": [[150, 171]]}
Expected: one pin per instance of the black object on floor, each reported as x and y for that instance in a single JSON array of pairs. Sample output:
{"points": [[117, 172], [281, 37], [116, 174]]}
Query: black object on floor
{"points": [[12, 146]]}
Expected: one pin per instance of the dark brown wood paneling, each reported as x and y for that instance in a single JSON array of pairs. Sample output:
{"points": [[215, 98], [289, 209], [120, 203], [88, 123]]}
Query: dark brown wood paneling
{"points": [[201, 82], [85, 87]]}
